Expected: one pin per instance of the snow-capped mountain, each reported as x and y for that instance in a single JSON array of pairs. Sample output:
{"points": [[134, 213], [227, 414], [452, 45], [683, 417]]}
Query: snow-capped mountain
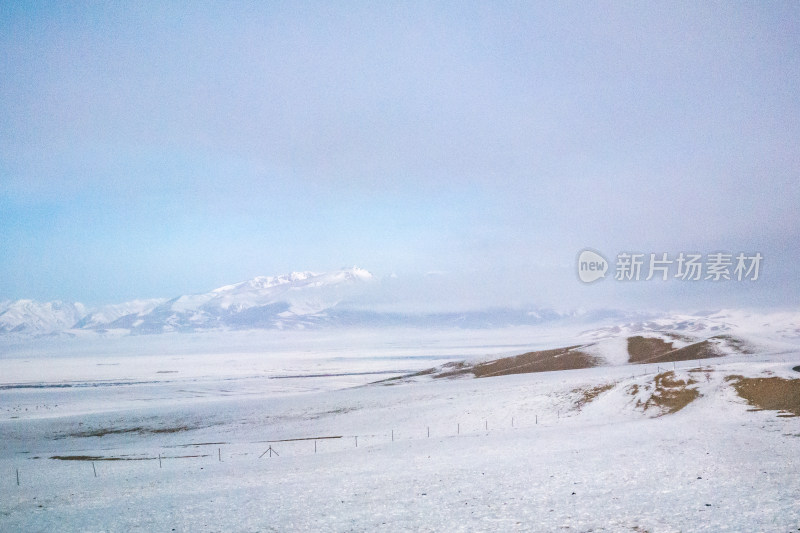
{"points": [[298, 299], [343, 298], [304, 292], [100, 318], [288, 300], [688, 324], [27, 316]]}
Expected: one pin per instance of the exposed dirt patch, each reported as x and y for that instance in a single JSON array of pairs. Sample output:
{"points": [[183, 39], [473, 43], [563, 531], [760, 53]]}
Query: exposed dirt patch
{"points": [[705, 371], [305, 438], [737, 344], [427, 372], [404, 377], [678, 336], [141, 430], [642, 349], [87, 458], [447, 370], [669, 394], [119, 458], [332, 412], [770, 394], [653, 350], [569, 358], [699, 350], [195, 444], [590, 394]]}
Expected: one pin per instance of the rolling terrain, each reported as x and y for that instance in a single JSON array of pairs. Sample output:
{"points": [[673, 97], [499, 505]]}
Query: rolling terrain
{"points": [[607, 429]]}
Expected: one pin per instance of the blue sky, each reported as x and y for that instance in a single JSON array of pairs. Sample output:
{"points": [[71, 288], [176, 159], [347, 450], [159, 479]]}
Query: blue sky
{"points": [[153, 150]]}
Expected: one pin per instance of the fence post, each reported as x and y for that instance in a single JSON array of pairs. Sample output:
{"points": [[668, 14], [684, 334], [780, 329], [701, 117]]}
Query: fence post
{"points": [[94, 469], [270, 450], [159, 460], [17, 477]]}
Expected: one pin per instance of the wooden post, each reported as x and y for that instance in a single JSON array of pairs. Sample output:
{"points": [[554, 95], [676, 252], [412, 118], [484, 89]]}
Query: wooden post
{"points": [[537, 419], [429, 432], [17, 477], [486, 424], [159, 460], [94, 469], [458, 429], [315, 446], [392, 435], [356, 441], [270, 450], [219, 454]]}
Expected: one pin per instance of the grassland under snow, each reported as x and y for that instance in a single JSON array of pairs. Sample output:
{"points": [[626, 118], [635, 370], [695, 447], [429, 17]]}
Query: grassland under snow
{"points": [[577, 450]]}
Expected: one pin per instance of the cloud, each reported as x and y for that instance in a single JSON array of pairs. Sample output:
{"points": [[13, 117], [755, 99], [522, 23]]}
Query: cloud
{"points": [[258, 139]]}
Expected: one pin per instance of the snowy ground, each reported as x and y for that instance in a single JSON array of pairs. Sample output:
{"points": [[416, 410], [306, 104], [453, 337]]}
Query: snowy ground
{"points": [[512, 453]]}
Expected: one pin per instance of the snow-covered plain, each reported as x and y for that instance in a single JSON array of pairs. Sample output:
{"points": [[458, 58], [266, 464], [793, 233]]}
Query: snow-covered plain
{"points": [[174, 439]]}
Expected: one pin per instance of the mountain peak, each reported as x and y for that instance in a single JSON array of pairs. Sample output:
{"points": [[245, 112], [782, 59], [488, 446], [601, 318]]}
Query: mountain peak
{"points": [[29, 316], [263, 301], [298, 279]]}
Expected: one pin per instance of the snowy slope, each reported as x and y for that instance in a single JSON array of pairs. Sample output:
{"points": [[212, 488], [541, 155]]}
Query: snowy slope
{"points": [[160, 439], [559, 451], [108, 314], [692, 325], [732, 335]]}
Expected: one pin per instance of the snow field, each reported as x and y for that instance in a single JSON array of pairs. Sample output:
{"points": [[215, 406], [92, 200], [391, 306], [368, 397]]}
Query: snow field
{"points": [[713, 466]]}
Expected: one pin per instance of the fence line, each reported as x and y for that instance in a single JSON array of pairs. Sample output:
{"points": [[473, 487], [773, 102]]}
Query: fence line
{"points": [[516, 422]]}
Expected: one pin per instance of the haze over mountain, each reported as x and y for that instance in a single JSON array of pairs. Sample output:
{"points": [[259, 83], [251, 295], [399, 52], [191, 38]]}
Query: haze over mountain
{"points": [[350, 297], [289, 301]]}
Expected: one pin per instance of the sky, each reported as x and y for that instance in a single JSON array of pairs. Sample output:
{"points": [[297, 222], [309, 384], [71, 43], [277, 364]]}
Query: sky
{"points": [[471, 149]]}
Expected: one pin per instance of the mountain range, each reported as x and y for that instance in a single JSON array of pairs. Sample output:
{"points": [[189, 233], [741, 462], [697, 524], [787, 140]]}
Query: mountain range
{"points": [[341, 298], [290, 301]]}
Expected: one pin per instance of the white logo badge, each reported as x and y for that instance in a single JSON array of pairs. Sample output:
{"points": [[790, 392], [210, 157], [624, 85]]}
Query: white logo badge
{"points": [[591, 266]]}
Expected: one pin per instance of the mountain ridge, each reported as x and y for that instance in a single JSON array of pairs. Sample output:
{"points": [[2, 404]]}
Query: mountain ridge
{"points": [[296, 300], [339, 298]]}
